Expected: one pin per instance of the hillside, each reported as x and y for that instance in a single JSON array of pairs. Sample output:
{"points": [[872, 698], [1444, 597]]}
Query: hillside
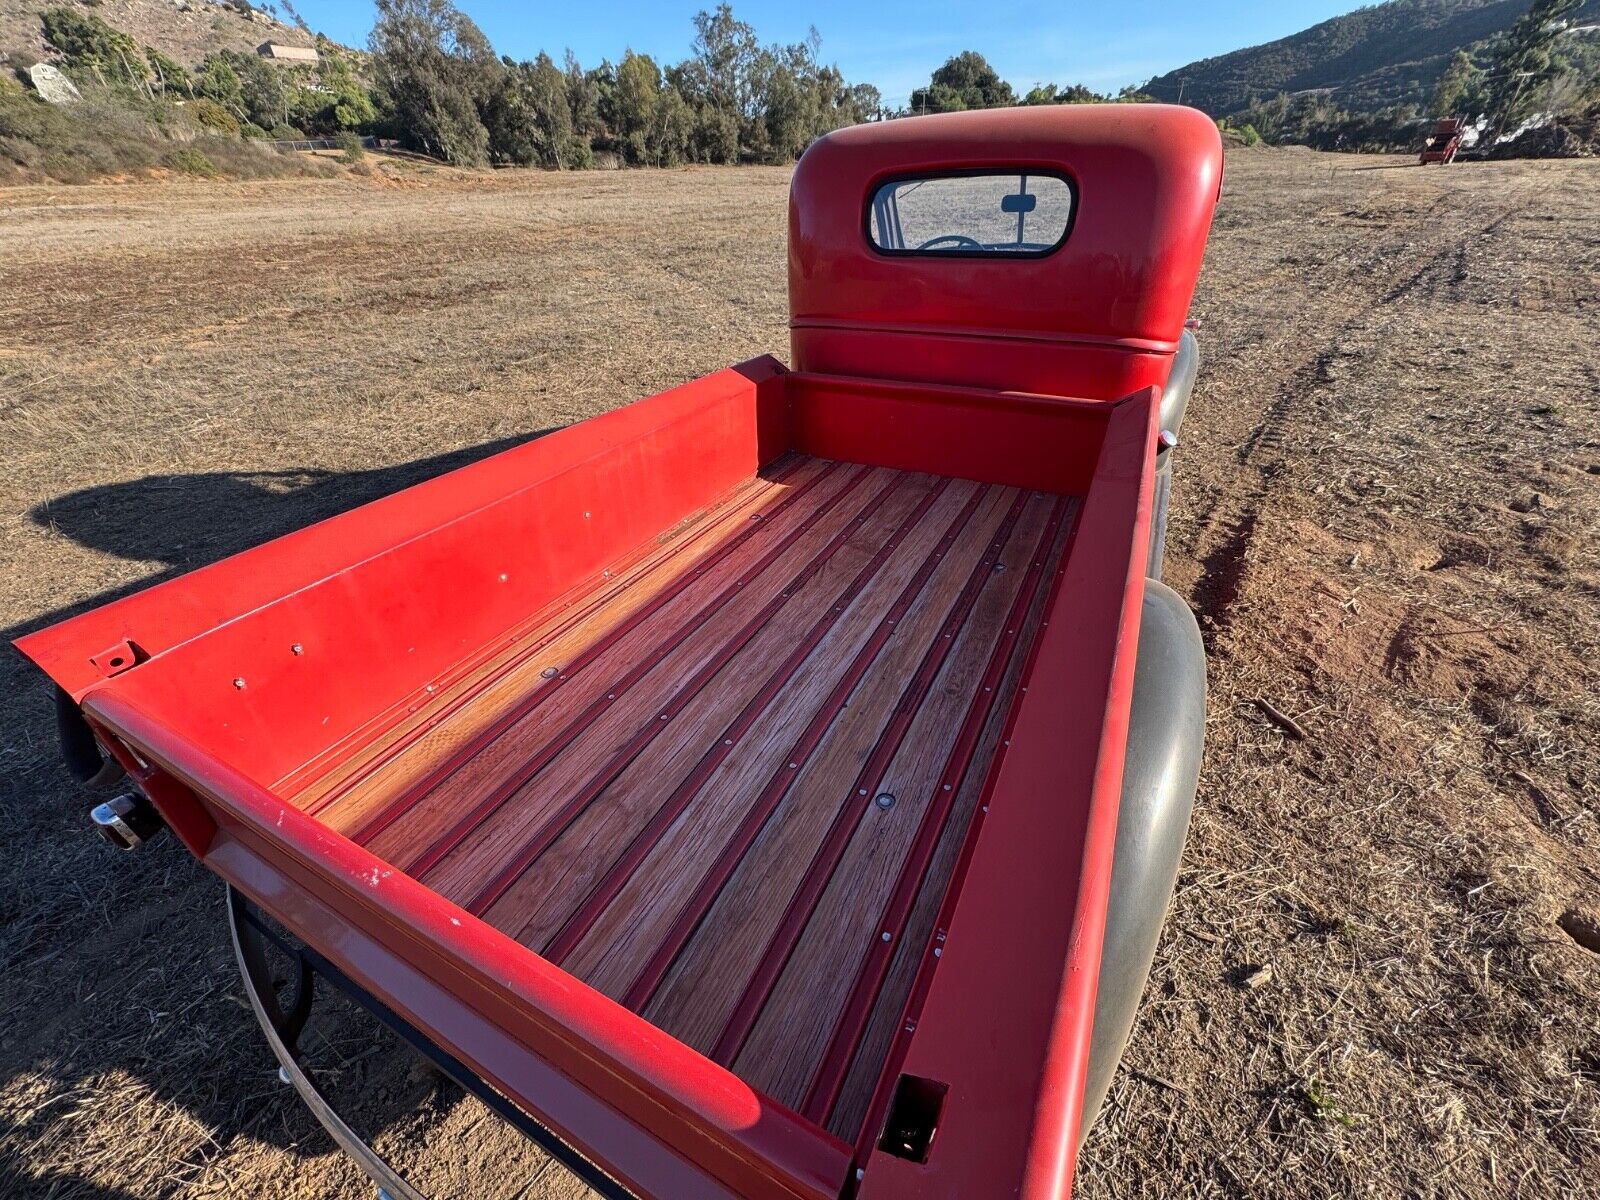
{"points": [[1386, 54], [186, 30]]}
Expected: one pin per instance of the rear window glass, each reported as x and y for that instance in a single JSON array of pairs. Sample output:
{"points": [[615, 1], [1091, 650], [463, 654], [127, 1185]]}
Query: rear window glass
{"points": [[995, 213]]}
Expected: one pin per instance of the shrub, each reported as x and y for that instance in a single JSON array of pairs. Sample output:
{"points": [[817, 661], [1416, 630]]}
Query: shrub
{"points": [[579, 155], [211, 115], [92, 49], [191, 162], [251, 130], [21, 151], [286, 133], [350, 143]]}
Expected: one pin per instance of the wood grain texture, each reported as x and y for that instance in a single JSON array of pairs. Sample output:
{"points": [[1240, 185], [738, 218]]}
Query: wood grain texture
{"points": [[914, 949], [704, 986], [585, 680], [795, 1023], [668, 784]]}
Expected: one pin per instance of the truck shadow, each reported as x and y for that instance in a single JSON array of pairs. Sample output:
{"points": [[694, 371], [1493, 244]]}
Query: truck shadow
{"points": [[188, 521], [69, 908]]}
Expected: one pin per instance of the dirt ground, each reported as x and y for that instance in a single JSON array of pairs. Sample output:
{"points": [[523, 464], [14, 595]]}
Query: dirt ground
{"points": [[1374, 981]]}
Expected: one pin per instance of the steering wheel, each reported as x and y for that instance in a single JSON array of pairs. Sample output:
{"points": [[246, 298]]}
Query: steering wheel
{"points": [[960, 241]]}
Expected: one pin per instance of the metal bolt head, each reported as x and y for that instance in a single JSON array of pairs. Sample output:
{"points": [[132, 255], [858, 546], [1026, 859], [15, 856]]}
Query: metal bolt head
{"points": [[297, 648], [884, 800], [1166, 439], [550, 672], [239, 683]]}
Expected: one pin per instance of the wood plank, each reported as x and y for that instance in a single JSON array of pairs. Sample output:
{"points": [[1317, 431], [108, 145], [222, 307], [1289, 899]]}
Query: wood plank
{"points": [[868, 782], [644, 670], [547, 896], [745, 657], [646, 907], [703, 987], [793, 1030], [312, 786], [571, 648], [871, 1055], [589, 659]]}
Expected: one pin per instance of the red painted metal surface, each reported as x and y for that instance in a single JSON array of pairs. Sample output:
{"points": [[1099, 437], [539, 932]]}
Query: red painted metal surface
{"points": [[1009, 1005], [1098, 318], [266, 671], [666, 1091]]}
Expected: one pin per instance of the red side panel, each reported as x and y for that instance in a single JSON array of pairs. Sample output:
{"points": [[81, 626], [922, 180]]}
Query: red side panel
{"points": [[1037, 442], [748, 434], [1010, 1003], [668, 1121], [1098, 318], [346, 619]]}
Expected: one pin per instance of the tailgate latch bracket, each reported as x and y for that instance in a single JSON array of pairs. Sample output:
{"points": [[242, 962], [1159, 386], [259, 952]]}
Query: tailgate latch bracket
{"points": [[124, 656]]}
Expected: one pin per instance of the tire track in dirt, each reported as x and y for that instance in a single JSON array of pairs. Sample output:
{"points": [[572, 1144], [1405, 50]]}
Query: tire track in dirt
{"points": [[1223, 543]]}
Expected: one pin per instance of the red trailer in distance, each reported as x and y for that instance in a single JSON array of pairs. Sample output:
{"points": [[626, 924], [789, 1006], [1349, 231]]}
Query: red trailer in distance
{"points": [[1444, 142]]}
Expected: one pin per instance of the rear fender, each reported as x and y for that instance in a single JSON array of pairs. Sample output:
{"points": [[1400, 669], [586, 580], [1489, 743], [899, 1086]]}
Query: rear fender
{"points": [[1166, 731]]}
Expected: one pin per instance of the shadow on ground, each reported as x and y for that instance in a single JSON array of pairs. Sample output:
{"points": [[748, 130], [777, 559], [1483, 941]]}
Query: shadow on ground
{"points": [[188, 521], [178, 1027]]}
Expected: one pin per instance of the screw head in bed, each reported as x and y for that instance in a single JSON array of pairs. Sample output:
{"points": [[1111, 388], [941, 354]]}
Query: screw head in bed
{"points": [[884, 800], [550, 672]]}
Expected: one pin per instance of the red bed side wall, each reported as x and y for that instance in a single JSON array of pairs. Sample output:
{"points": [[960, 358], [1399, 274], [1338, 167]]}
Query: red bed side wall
{"points": [[1009, 1005], [1045, 443], [645, 1107], [382, 599]]}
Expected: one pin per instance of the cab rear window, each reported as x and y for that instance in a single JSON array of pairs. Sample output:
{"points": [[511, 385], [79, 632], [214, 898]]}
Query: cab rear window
{"points": [[988, 214]]}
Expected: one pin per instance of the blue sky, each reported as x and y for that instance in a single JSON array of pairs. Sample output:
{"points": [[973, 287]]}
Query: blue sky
{"points": [[894, 44]]}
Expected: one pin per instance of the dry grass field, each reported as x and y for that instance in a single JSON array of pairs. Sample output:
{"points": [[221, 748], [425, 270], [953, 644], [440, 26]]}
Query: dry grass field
{"points": [[1381, 976]]}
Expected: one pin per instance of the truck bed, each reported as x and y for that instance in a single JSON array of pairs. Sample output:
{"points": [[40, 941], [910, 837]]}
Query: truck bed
{"points": [[726, 785]]}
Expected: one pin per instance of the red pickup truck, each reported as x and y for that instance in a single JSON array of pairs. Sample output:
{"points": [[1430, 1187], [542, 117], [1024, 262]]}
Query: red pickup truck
{"points": [[773, 787]]}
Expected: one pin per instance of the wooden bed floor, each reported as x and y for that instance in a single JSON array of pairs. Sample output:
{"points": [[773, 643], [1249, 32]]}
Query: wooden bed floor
{"points": [[728, 785]]}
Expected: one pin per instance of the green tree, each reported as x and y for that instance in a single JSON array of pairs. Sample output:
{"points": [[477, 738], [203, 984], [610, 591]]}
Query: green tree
{"points": [[865, 103], [167, 74], [527, 117], [92, 49], [1457, 87], [1050, 94], [671, 129], [1525, 63], [219, 82], [583, 100], [250, 87], [631, 105], [435, 68], [963, 82]]}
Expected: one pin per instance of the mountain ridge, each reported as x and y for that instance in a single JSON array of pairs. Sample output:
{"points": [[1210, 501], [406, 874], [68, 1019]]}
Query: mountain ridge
{"points": [[1374, 57]]}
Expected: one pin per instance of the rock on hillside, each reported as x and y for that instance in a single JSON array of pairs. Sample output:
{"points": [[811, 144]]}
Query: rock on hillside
{"points": [[187, 30]]}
